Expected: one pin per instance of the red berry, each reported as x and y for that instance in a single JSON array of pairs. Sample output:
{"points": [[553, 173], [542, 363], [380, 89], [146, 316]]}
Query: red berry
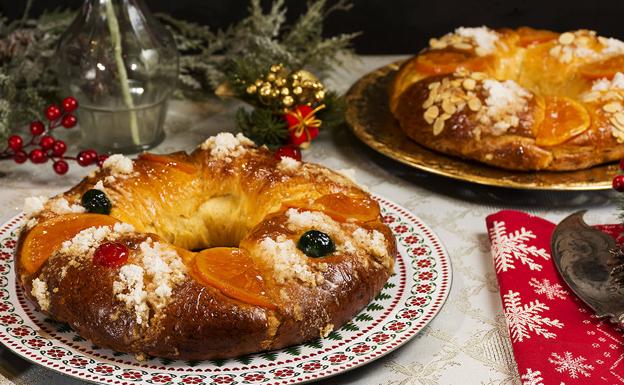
{"points": [[15, 142], [20, 156], [53, 112], [87, 157], [37, 127], [622, 164], [59, 148], [70, 103], [288, 152], [110, 254], [101, 159], [46, 142], [618, 183], [60, 167], [69, 121], [38, 156]]}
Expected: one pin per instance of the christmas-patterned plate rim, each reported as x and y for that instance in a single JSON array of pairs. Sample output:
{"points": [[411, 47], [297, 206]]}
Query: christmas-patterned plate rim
{"points": [[407, 303]]}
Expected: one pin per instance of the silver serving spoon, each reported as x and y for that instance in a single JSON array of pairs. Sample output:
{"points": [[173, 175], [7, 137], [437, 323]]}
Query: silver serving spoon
{"points": [[587, 261]]}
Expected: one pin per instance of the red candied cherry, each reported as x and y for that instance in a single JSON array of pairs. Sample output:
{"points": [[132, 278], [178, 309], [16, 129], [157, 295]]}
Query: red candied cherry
{"points": [[70, 103], [53, 112], [110, 254], [60, 167], [101, 159], [87, 157], [618, 183], [69, 121], [15, 142], [288, 152], [59, 148], [46, 142], [20, 156], [37, 127], [38, 156]]}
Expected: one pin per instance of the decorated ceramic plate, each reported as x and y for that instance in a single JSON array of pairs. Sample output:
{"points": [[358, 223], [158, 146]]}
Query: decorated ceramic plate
{"points": [[370, 119], [408, 301]]}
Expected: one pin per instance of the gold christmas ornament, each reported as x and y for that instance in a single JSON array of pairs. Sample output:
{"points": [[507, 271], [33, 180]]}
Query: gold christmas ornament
{"points": [[280, 89]]}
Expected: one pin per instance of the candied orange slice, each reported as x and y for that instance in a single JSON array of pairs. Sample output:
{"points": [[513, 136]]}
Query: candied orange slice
{"points": [[529, 36], [168, 161], [46, 237], [445, 62], [603, 69], [564, 118], [342, 207], [233, 272]]}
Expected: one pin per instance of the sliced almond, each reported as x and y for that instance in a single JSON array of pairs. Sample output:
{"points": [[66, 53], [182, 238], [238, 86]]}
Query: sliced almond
{"points": [[555, 51], [612, 107], [431, 113], [437, 44], [478, 76], [463, 46], [469, 84], [566, 38], [433, 85], [480, 51], [474, 104], [438, 126], [619, 117], [448, 107]]}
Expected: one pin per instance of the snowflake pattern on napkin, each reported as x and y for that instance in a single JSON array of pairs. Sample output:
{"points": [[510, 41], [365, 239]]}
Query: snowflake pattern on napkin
{"points": [[557, 340]]}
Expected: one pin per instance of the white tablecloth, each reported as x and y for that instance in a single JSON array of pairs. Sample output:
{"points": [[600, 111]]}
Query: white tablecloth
{"points": [[467, 342]]}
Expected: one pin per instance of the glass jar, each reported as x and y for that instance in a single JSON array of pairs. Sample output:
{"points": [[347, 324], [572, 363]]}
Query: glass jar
{"points": [[122, 66]]}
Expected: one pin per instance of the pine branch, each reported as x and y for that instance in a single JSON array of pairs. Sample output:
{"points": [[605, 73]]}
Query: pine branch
{"points": [[262, 126]]}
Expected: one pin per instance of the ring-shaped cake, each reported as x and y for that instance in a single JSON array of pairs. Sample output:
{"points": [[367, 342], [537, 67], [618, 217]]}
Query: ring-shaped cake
{"points": [[221, 252]]}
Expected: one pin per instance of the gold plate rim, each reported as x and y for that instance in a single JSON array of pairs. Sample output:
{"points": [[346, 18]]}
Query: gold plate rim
{"points": [[445, 165]]}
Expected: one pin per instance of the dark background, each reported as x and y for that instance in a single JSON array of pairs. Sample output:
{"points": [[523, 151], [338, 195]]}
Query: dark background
{"points": [[397, 26]]}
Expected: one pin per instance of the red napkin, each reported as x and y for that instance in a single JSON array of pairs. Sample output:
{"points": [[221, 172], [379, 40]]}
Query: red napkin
{"points": [[556, 339]]}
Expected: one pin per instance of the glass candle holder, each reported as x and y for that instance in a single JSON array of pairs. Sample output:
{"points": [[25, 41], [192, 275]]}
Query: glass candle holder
{"points": [[122, 66]]}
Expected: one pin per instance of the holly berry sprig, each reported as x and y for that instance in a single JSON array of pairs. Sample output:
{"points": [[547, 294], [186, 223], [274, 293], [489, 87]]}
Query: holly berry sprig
{"points": [[43, 146]]}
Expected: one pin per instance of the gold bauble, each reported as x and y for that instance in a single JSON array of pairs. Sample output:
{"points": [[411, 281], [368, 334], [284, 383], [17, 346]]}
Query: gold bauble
{"points": [[258, 82], [280, 82], [271, 77], [288, 100], [297, 90], [285, 91], [251, 89]]}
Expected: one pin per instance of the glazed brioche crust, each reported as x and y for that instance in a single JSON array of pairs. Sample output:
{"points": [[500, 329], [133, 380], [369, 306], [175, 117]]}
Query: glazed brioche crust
{"points": [[185, 206], [543, 75]]}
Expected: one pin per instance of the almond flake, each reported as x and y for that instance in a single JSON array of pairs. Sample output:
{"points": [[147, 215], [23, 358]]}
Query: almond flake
{"points": [[612, 107], [566, 38], [438, 126]]}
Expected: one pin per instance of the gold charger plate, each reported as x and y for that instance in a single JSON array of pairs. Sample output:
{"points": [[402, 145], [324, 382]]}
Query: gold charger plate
{"points": [[372, 122]]}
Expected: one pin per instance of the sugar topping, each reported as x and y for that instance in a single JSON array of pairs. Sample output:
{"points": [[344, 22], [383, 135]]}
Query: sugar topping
{"points": [[288, 164], [164, 268], [480, 39], [225, 145], [149, 281], [302, 220], [130, 288], [373, 242], [61, 206], [41, 293], [505, 100], [287, 261], [34, 205], [118, 165]]}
